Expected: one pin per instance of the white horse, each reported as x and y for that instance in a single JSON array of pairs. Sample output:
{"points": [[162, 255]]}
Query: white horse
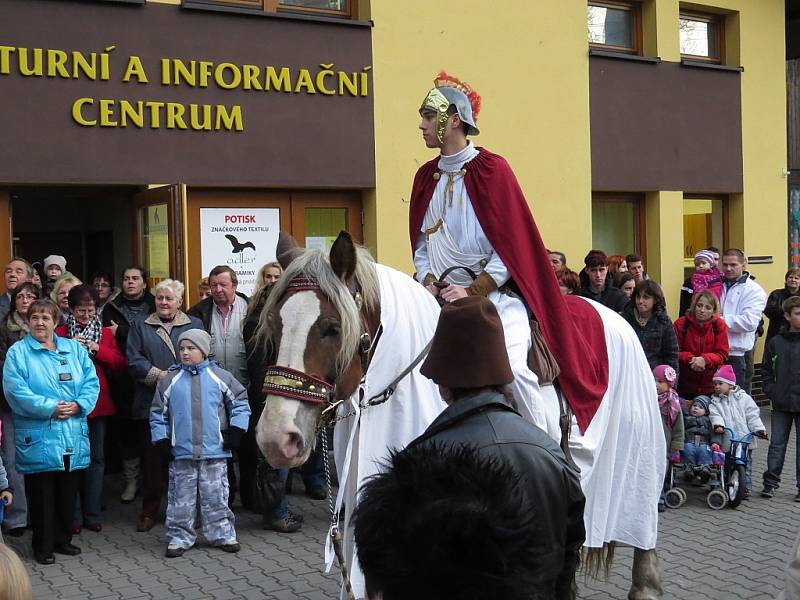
{"points": [[320, 322]]}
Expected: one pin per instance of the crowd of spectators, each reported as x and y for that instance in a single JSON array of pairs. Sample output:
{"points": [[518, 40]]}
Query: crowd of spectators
{"points": [[81, 366]]}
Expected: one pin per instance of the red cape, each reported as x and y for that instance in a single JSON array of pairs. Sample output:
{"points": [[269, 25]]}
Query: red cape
{"points": [[572, 328]]}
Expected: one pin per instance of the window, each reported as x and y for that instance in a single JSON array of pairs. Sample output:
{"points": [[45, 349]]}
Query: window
{"points": [[701, 37], [704, 224], [615, 26], [328, 8], [618, 223]]}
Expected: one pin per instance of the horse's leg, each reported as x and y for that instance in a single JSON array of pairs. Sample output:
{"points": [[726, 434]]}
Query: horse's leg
{"points": [[645, 576]]}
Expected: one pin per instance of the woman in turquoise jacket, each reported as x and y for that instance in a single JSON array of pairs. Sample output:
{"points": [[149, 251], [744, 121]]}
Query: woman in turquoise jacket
{"points": [[51, 385]]}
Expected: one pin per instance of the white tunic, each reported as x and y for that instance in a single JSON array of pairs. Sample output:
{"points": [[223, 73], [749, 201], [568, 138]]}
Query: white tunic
{"points": [[455, 238]]}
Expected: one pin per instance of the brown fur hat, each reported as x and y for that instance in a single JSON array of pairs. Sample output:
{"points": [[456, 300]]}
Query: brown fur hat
{"points": [[469, 348]]}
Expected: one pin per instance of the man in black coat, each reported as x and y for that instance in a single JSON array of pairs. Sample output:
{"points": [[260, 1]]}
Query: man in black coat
{"points": [[469, 362]]}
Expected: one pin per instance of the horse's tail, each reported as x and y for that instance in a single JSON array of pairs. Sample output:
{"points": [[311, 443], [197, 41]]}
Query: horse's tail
{"points": [[593, 559]]}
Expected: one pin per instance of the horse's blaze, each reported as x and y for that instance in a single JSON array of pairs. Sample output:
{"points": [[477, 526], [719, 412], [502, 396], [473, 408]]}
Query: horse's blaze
{"points": [[279, 433]]}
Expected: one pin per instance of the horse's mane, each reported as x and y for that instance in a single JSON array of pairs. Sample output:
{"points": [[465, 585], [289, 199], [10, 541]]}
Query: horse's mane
{"points": [[316, 264]]}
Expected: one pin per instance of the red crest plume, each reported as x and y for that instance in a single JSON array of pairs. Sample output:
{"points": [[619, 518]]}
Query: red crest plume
{"points": [[445, 80]]}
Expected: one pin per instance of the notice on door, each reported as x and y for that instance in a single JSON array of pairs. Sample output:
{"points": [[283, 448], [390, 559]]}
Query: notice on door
{"points": [[242, 238]]}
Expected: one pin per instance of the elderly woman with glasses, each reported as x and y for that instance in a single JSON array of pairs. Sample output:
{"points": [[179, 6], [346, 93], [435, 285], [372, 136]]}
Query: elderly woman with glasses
{"points": [[83, 325], [152, 349], [51, 386]]}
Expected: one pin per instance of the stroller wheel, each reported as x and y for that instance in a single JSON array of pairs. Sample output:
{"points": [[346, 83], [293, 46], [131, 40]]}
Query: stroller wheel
{"points": [[717, 499], [683, 494], [674, 498]]}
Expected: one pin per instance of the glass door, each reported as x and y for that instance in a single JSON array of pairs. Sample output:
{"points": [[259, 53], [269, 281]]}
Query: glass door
{"points": [[157, 233]]}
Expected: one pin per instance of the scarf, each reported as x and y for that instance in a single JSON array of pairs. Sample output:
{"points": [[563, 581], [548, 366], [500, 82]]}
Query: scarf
{"points": [[92, 332], [17, 325], [670, 406]]}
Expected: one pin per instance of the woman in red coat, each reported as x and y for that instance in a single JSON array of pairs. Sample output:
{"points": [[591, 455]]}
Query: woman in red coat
{"points": [[83, 325], [702, 345]]}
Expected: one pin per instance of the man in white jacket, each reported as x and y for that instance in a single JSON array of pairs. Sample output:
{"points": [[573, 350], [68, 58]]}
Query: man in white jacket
{"points": [[743, 302]]}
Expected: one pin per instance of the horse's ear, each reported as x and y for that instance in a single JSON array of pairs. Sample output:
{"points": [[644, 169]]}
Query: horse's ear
{"points": [[287, 249], [343, 257]]}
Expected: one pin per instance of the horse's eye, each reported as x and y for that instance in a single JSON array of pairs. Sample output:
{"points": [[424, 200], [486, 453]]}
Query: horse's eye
{"points": [[330, 331]]}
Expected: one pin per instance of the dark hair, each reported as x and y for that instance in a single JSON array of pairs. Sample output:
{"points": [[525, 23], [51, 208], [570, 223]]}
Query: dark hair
{"points": [[622, 277], [443, 521], [82, 294], [650, 288], [713, 249], [44, 305], [570, 280], [139, 268], [28, 287], [735, 252], [102, 275], [561, 255], [633, 257], [219, 270], [595, 258], [790, 303], [452, 110]]}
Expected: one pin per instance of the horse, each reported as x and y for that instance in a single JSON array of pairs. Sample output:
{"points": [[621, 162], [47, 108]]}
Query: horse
{"points": [[348, 335]]}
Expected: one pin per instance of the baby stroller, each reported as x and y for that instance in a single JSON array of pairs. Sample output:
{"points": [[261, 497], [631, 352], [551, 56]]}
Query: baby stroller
{"points": [[674, 496], [731, 479]]}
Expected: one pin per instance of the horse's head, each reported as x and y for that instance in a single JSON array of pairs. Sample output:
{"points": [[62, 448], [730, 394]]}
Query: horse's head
{"points": [[314, 324]]}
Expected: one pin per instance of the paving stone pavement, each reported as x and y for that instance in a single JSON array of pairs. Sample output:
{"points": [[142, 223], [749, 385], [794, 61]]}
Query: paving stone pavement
{"points": [[729, 554]]}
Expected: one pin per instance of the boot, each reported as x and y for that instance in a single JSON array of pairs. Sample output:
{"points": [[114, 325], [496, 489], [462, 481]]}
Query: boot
{"points": [[130, 469], [645, 576]]}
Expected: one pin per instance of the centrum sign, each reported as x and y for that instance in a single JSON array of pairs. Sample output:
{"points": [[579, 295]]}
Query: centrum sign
{"points": [[108, 112], [121, 93]]}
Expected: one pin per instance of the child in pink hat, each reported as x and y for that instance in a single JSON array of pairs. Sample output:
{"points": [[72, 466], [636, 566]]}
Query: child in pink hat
{"points": [[669, 403], [735, 409]]}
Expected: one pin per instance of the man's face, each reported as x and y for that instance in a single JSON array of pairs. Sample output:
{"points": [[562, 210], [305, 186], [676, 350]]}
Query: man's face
{"points": [[16, 273], [732, 268], [555, 260], [597, 276], [636, 269], [223, 290], [132, 283], [428, 126]]}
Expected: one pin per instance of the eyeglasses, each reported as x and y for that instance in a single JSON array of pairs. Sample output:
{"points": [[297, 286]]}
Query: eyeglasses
{"points": [[26, 297]]}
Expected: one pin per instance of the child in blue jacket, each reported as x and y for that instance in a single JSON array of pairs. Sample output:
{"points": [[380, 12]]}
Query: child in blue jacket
{"points": [[199, 415]]}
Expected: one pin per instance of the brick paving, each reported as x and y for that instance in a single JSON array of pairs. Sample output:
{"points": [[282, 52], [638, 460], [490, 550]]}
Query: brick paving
{"points": [[733, 553]]}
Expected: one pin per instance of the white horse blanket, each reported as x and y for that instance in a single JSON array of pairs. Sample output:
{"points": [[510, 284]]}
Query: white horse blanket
{"points": [[622, 454], [409, 314]]}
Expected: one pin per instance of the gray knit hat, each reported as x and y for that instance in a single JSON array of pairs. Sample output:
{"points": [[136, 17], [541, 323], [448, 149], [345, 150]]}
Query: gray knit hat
{"points": [[55, 259], [199, 338]]}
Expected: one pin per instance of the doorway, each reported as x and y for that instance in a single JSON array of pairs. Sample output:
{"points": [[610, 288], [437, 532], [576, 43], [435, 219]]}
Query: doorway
{"points": [[88, 225]]}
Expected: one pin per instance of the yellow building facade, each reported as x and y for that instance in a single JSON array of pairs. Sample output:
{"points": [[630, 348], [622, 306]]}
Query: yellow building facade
{"points": [[530, 62], [627, 149]]}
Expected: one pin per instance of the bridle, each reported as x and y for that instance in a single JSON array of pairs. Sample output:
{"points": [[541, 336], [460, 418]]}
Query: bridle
{"points": [[297, 385], [290, 383]]}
